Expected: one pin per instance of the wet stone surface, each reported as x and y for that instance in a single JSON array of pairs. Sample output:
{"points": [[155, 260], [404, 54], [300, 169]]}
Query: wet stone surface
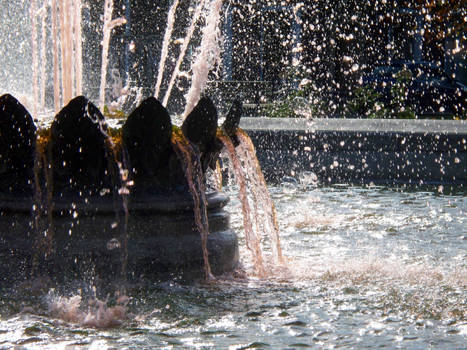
{"points": [[200, 128]]}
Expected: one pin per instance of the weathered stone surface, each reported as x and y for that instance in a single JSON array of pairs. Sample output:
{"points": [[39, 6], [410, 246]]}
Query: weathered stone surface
{"points": [[146, 135], [201, 124], [76, 203], [17, 145], [163, 241], [82, 159]]}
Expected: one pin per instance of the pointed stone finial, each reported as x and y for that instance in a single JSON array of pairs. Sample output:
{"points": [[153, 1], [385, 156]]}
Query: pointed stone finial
{"points": [[17, 144], [200, 127], [82, 160], [232, 120]]}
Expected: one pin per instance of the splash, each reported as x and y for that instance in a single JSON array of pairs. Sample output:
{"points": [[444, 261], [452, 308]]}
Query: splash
{"points": [[195, 177], [374, 270], [98, 314], [208, 56], [165, 46], [124, 192]]}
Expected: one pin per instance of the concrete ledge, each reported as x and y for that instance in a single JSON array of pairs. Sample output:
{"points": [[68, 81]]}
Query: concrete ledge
{"points": [[384, 151]]}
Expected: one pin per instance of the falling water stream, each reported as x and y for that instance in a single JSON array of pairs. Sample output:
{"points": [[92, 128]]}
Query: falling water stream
{"points": [[195, 178], [261, 198], [259, 209], [252, 237], [43, 204]]}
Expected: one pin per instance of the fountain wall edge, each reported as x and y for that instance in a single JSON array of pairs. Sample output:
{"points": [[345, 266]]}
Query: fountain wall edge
{"points": [[361, 151]]}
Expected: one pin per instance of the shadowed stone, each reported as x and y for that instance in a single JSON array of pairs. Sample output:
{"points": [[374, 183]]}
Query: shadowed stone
{"points": [[232, 120], [362, 151], [17, 144], [230, 127], [82, 161], [84, 228], [146, 136], [200, 127]]}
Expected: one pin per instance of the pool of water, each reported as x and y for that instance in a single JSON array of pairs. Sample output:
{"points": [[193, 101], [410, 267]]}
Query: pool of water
{"points": [[366, 268]]}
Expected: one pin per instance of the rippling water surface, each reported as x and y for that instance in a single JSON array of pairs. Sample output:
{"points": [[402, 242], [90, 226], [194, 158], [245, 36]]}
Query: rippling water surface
{"points": [[367, 268]]}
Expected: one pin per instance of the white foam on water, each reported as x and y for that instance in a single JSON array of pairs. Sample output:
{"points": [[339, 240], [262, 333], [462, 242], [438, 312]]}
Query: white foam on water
{"points": [[94, 313], [369, 270]]}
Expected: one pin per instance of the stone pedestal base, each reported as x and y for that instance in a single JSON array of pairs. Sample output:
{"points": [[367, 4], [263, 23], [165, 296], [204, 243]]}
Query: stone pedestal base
{"points": [[163, 241]]}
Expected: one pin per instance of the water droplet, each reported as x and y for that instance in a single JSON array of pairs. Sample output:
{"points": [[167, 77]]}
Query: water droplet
{"points": [[113, 244], [104, 191]]}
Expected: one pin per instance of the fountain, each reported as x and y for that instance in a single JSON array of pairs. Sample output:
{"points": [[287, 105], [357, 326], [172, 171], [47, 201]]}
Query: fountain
{"points": [[121, 213], [130, 202], [88, 210]]}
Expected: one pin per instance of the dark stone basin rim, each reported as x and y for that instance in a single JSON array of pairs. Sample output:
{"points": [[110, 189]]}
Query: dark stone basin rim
{"points": [[163, 204]]}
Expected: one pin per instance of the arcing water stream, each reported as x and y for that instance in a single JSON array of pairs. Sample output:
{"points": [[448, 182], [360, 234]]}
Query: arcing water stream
{"points": [[208, 56], [108, 26], [165, 46]]}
